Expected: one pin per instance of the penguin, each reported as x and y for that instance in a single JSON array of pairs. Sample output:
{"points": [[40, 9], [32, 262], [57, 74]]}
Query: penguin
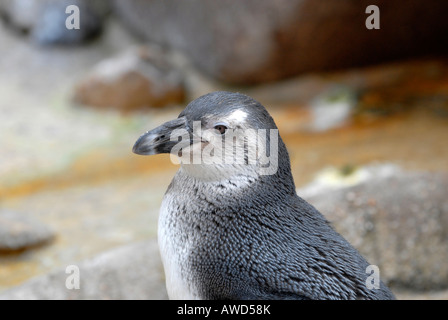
{"points": [[237, 229]]}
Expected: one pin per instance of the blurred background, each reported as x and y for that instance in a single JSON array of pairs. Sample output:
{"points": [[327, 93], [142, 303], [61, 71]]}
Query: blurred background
{"points": [[364, 114]]}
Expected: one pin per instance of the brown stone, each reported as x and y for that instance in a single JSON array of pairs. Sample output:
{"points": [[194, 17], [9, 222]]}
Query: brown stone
{"points": [[19, 232], [136, 79]]}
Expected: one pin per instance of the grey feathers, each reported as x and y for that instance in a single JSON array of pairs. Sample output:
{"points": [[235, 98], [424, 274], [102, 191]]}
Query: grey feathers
{"points": [[265, 246]]}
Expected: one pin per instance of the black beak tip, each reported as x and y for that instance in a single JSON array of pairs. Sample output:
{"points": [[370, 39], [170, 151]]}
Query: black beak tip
{"points": [[143, 147], [135, 149], [139, 146], [157, 140]]}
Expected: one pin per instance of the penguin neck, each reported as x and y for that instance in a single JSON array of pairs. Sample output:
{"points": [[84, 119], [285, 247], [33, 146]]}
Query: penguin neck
{"points": [[219, 184], [215, 174]]}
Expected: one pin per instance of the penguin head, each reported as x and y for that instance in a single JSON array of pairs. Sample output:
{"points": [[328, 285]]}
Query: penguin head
{"points": [[219, 135]]}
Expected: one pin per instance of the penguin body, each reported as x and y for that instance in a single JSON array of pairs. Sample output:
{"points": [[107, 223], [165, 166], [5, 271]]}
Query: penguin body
{"points": [[232, 233]]}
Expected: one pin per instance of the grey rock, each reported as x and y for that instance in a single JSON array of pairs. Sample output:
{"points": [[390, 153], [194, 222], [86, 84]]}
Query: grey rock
{"points": [[52, 29], [131, 272], [22, 14], [398, 220], [45, 19], [19, 232], [255, 41], [140, 77]]}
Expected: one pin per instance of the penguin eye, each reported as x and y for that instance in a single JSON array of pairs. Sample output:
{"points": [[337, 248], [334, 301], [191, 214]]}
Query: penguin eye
{"points": [[221, 128]]}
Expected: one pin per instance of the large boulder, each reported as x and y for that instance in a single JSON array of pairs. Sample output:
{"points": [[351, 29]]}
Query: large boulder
{"points": [[398, 220], [45, 19], [131, 272], [252, 41]]}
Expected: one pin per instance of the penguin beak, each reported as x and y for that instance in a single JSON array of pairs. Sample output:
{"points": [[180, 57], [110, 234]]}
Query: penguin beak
{"points": [[161, 139]]}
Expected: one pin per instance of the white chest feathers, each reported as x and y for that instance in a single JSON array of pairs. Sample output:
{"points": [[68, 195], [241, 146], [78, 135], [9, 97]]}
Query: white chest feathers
{"points": [[174, 250]]}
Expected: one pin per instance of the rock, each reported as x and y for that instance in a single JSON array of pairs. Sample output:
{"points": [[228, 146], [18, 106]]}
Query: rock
{"points": [[138, 78], [52, 23], [131, 272], [22, 14], [331, 179], [398, 220], [255, 41], [332, 108], [19, 232], [45, 19]]}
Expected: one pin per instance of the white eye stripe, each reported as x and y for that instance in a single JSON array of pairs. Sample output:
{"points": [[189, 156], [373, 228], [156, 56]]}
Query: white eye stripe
{"points": [[237, 116], [232, 119]]}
